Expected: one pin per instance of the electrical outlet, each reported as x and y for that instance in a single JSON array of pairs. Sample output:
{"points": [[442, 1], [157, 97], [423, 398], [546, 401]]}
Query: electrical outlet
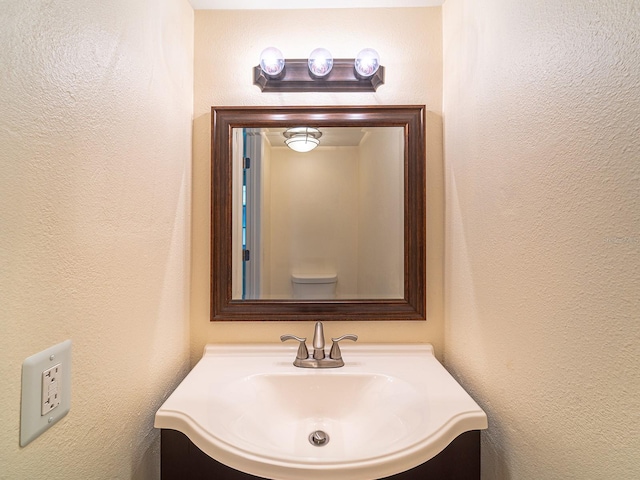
{"points": [[51, 379], [46, 390]]}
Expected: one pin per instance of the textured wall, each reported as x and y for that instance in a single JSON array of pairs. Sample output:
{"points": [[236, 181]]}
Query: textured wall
{"points": [[95, 174], [228, 45], [542, 147]]}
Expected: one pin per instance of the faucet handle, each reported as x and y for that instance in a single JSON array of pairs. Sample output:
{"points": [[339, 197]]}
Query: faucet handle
{"points": [[335, 353], [303, 353]]}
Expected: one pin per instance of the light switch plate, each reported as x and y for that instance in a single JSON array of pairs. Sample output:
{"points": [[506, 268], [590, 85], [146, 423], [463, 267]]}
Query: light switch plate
{"points": [[35, 419]]}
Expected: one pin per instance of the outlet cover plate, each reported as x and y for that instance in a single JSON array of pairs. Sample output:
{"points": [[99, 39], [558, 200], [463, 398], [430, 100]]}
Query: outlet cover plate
{"points": [[32, 422]]}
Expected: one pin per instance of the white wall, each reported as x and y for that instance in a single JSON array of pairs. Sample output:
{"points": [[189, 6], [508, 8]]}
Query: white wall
{"points": [[95, 176], [227, 47], [542, 145]]}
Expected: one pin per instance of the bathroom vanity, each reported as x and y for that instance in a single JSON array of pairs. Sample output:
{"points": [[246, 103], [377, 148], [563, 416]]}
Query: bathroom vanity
{"points": [[181, 459], [392, 411]]}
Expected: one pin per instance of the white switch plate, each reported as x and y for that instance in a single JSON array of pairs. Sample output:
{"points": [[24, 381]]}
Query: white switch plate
{"points": [[46, 390]]}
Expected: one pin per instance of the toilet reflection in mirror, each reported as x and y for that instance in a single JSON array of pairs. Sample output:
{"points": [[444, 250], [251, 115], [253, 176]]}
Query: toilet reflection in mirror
{"points": [[314, 286], [326, 224]]}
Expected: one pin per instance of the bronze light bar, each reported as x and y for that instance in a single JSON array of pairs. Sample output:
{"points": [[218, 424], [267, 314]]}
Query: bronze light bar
{"points": [[296, 77]]}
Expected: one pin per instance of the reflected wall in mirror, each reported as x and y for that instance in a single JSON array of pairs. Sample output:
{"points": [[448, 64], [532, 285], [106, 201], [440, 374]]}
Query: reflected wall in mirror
{"points": [[346, 219], [324, 224]]}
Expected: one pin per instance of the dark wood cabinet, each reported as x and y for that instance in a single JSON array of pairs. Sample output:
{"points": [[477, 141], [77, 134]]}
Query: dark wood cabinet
{"points": [[182, 460]]}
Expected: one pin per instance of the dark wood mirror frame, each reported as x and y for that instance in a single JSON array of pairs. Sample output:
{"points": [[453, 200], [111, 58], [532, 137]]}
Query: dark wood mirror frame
{"points": [[412, 306]]}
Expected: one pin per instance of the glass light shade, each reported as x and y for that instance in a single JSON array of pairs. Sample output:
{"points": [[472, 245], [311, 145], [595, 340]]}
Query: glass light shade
{"points": [[272, 61], [367, 62], [320, 62], [302, 139]]}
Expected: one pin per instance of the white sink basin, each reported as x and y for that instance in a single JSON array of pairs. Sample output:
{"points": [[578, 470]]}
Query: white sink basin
{"points": [[365, 415], [389, 409]]}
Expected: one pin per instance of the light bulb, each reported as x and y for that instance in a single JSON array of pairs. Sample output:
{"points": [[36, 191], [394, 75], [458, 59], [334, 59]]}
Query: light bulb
{"points": [[320, 62], [367, 62], [272, 61]]}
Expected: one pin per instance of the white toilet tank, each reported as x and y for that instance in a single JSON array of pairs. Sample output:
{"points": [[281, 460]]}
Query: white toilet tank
{"points": [[318, 286]]}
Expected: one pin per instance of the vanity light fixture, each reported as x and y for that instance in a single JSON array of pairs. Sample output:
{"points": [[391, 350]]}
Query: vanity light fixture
{"points": [[302, 139], [318, 73]]}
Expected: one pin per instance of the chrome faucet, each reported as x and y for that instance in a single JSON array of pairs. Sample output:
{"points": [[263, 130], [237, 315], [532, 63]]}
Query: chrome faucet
{"points": [[318, 359]]}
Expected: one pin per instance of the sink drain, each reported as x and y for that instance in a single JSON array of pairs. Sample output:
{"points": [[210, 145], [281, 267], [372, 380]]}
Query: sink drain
{"points": [[319, 438]]}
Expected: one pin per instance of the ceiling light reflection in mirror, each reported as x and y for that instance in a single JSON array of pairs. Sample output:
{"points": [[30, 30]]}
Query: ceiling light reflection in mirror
{"points": [[302, 139]]}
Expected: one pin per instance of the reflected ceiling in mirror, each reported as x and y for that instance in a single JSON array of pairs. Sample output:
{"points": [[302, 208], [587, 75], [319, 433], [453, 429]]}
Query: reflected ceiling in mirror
{"points": [[332, 234], [324, 224]]}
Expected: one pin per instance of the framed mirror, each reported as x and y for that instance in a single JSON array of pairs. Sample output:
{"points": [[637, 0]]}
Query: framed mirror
{"points": [[335, 233]]}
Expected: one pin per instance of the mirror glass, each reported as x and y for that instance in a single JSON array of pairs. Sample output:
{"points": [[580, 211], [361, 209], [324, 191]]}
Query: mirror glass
{"points": [[336, 233], [324, 224]]}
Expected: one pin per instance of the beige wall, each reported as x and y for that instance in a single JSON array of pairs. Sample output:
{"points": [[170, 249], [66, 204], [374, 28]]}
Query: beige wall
{"points": [[314, 216], [381, 213], [338, 210], [542, 150], [94, 233], [228, 45]]}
